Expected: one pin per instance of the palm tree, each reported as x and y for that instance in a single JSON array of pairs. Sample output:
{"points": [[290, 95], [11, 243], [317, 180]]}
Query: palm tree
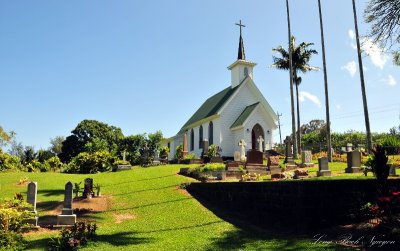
{"points": [[364, 96], [328, 121], [291, 84], [301, 56]]}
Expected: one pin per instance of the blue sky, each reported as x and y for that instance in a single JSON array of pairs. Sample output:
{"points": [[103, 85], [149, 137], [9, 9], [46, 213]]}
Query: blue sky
{"points": [[148, 65]]}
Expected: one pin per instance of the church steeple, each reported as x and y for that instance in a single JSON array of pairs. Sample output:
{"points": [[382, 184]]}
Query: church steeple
{"points": [[241, 54], [242, 68]]}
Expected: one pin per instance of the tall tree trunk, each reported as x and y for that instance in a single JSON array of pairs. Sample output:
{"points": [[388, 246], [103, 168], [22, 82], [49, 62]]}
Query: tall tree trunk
{"points": [[364, 96], [298, 114], [328, 121], [291, 84]]}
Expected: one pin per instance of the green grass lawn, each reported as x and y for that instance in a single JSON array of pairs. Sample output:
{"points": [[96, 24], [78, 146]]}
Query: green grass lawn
{"points": [[164, 217]]}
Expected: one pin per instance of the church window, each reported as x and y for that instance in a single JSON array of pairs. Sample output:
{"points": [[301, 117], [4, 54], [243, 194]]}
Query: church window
{"points": [[211, 133], [201, 137], [246, 71], [191, 140]]}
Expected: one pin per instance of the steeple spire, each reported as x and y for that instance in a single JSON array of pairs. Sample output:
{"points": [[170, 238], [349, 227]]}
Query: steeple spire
{"points": [[241, 54]]}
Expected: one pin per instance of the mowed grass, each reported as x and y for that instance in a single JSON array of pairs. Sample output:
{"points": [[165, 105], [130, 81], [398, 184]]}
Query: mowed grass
{"points": [[163, 217]]}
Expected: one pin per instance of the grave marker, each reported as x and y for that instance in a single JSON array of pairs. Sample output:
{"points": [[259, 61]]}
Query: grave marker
{"points": [[353, 162], [323, 167], [67, 216]]}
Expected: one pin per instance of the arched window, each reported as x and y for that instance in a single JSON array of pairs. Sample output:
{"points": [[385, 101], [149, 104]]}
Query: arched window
{"points": [[191, 140], [201, 137], [211, 133]]}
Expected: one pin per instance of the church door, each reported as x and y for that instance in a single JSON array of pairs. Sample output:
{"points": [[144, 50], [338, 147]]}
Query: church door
{"points": [[255, 134]]}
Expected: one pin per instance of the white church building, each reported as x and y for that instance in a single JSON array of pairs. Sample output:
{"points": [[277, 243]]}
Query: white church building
{"points": [[239, 111]]}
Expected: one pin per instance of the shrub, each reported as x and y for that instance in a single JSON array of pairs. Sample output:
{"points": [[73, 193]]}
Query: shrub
{"points": [[213, 167], [179, 152], [191, 156], [13, 214], [36, 166], [11, 241], [392, 144], [380, 168], [91, 162], [72, 239], [212, 151], [55, 163], [10, 162], [164, 151]]}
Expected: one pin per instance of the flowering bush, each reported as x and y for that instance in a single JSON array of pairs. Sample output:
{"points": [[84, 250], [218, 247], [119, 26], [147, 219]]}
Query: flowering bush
{"points": [[13, 215], [251, 177], [72, 239]]}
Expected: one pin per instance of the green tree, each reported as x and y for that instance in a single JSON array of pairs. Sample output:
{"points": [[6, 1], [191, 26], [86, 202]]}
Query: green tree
{"points": [[29, 155], [5, 137], [384, 17], [56, 144], [86, 132], [301, 56]]}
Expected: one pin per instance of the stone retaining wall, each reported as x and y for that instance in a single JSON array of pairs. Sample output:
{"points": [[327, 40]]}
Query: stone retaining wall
{"points": [[301, 205]]}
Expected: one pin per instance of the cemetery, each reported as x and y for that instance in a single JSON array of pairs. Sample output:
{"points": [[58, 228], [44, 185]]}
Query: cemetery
{"points": [[221, 180]]}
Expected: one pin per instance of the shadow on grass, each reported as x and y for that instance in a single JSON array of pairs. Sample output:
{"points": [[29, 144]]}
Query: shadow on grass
{"points": [[133, 181], [53, 192], [145, 190], [150, 204], [38, 244], [122, 239], [47, 205], [181, 228]]}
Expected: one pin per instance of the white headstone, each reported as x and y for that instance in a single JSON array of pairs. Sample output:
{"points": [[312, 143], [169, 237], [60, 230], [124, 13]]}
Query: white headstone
{"points": [[260, 141], [242, 145], [236, 156]]}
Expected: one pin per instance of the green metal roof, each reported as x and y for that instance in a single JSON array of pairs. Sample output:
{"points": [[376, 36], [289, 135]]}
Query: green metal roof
{"points": [[211, 106], [244, 115]]}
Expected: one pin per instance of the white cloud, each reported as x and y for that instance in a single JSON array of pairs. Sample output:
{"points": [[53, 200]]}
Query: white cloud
{"points": [[391, 81], [377, 56], [306, 95], [350, 67], [351, 34]]}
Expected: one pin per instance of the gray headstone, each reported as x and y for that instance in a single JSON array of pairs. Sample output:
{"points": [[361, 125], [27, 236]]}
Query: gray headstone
{"points": [[392, 170], [306, 157], [32, 195], [205, 147], [353, 162], [323, 164], [353, 159], [68, 195]]}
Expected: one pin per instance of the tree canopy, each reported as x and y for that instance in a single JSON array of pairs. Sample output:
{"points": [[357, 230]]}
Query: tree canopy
{"points": [[91, 135]]}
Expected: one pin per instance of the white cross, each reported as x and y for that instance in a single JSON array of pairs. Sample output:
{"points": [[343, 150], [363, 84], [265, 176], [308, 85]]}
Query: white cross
{"points": [[242, 145], [260, 143]]}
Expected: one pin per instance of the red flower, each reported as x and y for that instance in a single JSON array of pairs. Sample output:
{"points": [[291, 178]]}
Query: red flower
{"points": [[384, 199]]}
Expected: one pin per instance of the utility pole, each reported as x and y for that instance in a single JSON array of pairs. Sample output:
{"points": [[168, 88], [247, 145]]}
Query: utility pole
{"points": [[279, 126]]}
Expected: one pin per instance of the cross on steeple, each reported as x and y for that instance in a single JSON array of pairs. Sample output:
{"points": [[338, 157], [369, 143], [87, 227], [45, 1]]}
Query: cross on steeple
{"points": [[240, 25], [241, 54]]}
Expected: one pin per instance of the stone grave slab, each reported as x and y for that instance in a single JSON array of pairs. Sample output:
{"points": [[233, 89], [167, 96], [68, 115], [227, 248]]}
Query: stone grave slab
{"points": [[353, 162], [31, 198], [306, 158], [323, 167], [67, 217]]}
